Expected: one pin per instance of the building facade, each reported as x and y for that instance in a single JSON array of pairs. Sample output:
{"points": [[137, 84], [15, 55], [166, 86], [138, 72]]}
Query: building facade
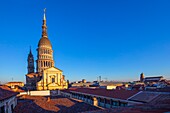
{"points": [[46, 77], [102, 97], [52, 79], [13, 84], [8, 100]]}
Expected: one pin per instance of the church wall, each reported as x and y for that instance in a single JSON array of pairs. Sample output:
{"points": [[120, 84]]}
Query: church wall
{"points": [[52, 79]]}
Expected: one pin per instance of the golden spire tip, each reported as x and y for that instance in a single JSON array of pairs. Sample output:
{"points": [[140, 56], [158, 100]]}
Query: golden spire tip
{"points": [[44, 13], [44, 10]]}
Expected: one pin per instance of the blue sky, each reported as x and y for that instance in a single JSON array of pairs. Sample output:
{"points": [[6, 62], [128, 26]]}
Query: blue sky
{"points": [[115, 39]]}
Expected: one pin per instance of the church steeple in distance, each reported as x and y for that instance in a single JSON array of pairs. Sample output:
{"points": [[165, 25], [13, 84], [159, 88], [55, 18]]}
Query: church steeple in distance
{"points": [[30, 61]]}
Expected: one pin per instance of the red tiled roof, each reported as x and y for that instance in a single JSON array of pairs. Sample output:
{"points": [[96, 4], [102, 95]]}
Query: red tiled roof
{"points": [[57, 104], [120, 94], [66, 90], [154, 77], [6, 92], [145, 96]]}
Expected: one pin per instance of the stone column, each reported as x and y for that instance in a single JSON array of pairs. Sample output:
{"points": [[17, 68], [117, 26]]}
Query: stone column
{"points": [[95, 101]]}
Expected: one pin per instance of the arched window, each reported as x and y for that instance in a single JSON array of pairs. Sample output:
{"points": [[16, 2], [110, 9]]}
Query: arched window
{"points": [[46, 64], [53, 80], [41, 64]]}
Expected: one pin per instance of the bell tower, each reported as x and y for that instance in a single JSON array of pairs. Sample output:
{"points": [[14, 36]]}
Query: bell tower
{"points": [[30, 61], [142, 77]]}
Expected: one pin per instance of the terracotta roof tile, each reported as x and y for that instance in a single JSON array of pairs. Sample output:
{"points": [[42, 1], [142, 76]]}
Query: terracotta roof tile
{"points": [[6, 92], [120, 94], [144, 96], [59, 104]]}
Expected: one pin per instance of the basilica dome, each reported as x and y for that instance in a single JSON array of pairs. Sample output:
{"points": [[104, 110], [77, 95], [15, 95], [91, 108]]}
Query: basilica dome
{"points": [[44, 42]]}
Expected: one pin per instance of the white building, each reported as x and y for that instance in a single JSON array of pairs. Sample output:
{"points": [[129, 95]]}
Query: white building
{"points": [[8, 100]]}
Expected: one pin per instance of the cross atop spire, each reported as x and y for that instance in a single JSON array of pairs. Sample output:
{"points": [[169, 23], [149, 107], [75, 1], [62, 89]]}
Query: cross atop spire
{"points": [[44, 26]]}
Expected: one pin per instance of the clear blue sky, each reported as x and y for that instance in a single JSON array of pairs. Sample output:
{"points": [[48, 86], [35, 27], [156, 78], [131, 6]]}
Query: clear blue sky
{"points": [[115, 39]]}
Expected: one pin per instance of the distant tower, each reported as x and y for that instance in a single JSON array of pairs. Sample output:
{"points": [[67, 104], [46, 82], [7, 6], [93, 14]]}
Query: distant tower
{"points": [[44, 50], [141, 77], [100, 78], [30, 62]]}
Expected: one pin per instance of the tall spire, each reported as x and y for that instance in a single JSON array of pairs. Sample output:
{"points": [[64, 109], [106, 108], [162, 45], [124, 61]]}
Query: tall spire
{"points": [[30, 50], [30, 61], [44, 26], [44, 13]]}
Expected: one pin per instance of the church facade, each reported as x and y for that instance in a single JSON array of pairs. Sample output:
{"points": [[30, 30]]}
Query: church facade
{"points": [[46, 77]]}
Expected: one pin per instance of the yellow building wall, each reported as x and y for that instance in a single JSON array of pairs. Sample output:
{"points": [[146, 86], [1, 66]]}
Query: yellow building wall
{"points": [[52, 79]]}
